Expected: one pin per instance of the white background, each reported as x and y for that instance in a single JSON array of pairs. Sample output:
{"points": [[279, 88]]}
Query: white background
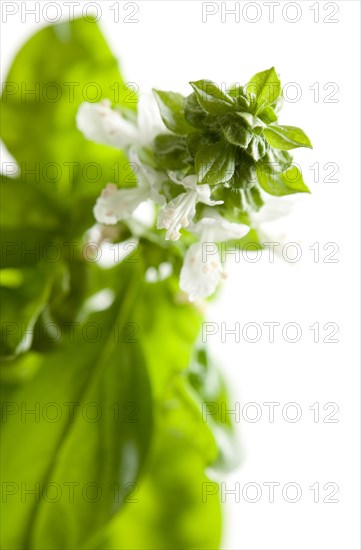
{"points": [[171, 45]]}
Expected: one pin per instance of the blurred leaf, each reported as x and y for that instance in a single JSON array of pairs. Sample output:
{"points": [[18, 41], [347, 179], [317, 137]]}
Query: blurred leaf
{"points": [[65, 64], [26, 206], [167, 325], [169, 511], [212, 397], [21, 304], [29, 222], [88, 439], [170, 505], [250, 242]]}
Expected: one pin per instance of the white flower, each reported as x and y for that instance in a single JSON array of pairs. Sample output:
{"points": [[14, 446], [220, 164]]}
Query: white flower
{"points": [[179, 212], [150, 122], [199, 278], [102, 124], [202, 269], [116, 204]]}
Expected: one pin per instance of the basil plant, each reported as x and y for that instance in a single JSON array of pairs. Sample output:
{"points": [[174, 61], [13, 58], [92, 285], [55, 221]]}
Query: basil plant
{"points": [[111, 423]]}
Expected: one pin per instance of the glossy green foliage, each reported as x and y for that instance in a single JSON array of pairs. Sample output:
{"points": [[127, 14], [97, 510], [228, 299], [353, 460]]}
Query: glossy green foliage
{"points": [[117, 404], [234, 138]]}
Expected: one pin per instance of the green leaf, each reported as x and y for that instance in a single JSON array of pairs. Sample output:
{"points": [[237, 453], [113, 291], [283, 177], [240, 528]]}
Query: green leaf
{"points": [[168, 504], [245, 174], [234, 206], [171, 152], [176, 498], [39, 128], [236, 91], [99, 393], [29, 223], [16, 212], [286, 137], [268, 115], [196, 140], [195, 115], [276, 160], [24, 294], [211, 98], [266, 87], [257, 147], [174, 483], [286, 183], [250, 120], [254, 199], [215, 163], [212, 396], [171, 109], [167, 325], [235, 132]]}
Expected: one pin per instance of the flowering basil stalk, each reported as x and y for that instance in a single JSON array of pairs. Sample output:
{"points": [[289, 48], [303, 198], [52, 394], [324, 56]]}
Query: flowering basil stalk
{"points": [[113, 411], [223, 150]]}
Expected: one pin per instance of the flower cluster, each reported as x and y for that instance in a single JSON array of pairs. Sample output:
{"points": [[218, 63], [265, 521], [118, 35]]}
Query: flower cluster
{"points": [[206, 160]]}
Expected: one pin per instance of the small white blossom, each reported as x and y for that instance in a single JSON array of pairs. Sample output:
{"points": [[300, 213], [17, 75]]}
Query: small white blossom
{"points": [[180, 211], [202, 269], [200, 277], [116, 204], [102, 124]]}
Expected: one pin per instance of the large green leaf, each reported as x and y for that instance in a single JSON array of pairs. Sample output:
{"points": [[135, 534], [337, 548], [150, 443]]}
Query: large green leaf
{"points": [[168, 512], [29, 223], [66, 64], [100, 448], [24, 294], [165, 326], [168, 503], [166, 509]]}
